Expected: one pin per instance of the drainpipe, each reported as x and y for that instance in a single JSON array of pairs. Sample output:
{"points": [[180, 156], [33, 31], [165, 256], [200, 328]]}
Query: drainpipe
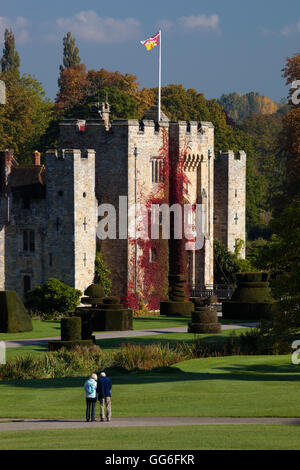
{"points": [[135, 202]]}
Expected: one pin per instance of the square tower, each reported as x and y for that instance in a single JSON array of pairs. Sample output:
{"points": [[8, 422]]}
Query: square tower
{"points": [[230, 199]]}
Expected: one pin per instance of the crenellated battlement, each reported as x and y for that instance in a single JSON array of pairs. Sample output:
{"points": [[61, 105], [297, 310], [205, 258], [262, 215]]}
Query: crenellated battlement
{"points": [[68, 154], [234, 158]]}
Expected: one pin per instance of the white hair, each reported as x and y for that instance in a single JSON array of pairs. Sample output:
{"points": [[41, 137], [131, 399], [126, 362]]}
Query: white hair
{"points": [[103, 374]]}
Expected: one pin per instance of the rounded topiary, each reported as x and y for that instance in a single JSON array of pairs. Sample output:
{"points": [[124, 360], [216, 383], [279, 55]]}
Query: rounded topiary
{"points": [[95, 290], [70, 329], [111, 300]]}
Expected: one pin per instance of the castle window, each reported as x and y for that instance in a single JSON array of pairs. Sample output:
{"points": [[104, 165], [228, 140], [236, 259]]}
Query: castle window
{"points": [[50, 259], [60, 192], [236, 218], [236, 193], [28, 240], [157, 170], [84, 194], [26, 283], [152, 255]]}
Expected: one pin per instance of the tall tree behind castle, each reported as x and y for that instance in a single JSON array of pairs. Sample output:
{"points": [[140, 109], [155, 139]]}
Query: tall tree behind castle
{"points": [[10, 60], [72, 78], [27, 113], [71, 53]]}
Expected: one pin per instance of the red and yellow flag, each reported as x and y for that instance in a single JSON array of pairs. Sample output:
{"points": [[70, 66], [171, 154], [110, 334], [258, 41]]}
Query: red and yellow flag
{"points": [[151, 42]]}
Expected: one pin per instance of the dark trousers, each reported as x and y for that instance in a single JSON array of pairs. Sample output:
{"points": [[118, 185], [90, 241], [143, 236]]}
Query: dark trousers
{"points": [[90, 408]]}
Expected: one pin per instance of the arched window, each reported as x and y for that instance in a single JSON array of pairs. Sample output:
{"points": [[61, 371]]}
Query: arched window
{"points": [[157, 170], [28, 240]]}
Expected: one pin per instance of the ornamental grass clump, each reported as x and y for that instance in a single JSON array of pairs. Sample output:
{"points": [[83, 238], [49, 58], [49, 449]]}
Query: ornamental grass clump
{"points": [[62, 363], [132, 356]]}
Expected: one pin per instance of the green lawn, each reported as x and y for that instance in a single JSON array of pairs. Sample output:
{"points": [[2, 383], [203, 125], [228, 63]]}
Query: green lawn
{"points": [[223, 386], [41, 329], [45, 329], [230, 437], [114, 343]]}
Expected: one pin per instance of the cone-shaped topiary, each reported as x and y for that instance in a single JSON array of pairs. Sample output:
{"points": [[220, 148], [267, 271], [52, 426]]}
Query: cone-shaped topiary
{"points": [[13, 315]]}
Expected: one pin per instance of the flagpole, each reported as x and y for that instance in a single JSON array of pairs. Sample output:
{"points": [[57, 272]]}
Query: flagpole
{"points": [[159, 76]]}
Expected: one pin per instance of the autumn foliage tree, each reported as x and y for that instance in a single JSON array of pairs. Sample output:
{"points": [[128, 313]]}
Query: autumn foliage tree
{"points": [[291, 131], [25, 116]]}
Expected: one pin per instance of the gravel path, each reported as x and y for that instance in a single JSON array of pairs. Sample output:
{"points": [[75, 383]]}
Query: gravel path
{"points": [[120, 334], [39, 424]]}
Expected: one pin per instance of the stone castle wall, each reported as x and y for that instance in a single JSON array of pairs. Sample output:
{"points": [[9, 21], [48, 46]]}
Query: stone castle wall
{"points": [[72, 217], [230, 199]]}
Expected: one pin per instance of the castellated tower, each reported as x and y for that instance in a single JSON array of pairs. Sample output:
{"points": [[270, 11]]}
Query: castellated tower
{"points": [[193, 142], [134, 160], [230, 199], [72, 216]]}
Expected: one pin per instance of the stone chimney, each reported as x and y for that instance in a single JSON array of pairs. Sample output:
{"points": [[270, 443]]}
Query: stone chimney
{"points": [[36, 158], [105, 110], [6, 158]]}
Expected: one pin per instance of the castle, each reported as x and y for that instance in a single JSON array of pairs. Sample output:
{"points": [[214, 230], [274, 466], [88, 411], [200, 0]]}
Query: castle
{"points": [[49, 214]]}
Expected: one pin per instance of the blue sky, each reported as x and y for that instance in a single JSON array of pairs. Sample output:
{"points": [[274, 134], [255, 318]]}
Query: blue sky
{"points": [[216, 47]]}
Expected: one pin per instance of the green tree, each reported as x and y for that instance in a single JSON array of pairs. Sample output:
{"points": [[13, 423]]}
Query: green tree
{"points": [[238, 107], [102, 273], [10, 60], [53, 298], [70, 53], [227, 264], [25, 117]]}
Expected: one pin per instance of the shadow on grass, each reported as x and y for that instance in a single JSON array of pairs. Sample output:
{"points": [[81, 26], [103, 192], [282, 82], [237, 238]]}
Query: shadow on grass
{"points": [[119, 376]]}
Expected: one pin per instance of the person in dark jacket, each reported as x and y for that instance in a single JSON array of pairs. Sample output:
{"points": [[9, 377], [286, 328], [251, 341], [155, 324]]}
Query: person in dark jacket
{"points": [[104, 386]]}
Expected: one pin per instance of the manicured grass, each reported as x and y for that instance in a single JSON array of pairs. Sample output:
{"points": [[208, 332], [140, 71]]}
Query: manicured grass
{"points": [[158, 321], [114, 343], [219, 437], [45, 329], [222, 386], [41, 329]]}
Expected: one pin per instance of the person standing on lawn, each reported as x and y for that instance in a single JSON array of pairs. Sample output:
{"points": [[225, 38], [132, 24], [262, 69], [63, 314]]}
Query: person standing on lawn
{"points": [[90, 388], [104, 386]]}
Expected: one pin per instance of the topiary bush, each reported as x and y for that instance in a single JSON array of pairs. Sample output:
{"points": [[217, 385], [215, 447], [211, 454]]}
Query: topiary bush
{"points": [[177, 303], [70, 329], [53, 299], [13, 315]]}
